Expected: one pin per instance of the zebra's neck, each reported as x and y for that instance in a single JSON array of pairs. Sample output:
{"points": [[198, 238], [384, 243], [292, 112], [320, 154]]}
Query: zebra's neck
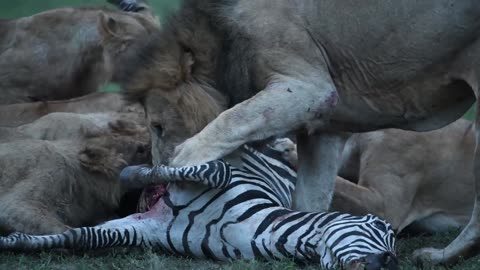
{"points": [[295, 235]]}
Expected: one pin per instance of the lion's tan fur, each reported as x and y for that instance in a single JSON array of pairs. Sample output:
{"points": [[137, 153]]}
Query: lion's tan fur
{"points": [[173, 76], [66, 52], [287, 69], [420, 181], [73, 126], [14, 115], [48, 186], [409, 177]]}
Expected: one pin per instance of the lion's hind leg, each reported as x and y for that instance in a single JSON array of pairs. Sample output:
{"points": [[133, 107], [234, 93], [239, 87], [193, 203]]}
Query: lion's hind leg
{"points": [[22, 216]]}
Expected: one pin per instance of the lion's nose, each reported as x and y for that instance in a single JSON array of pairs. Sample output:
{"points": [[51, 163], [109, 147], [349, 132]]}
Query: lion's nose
{"points": [[386, 260]]}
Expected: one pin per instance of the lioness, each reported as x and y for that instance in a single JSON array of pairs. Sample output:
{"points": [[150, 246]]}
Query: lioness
{"points": [[72, 126], [420, 180], [67, 52], [49, 186], [424, 179], [301, 66], [14, 115]]}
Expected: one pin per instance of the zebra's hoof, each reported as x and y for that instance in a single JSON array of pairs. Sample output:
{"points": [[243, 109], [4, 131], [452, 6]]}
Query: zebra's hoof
{"points": [[128, 5], [129, 176]]}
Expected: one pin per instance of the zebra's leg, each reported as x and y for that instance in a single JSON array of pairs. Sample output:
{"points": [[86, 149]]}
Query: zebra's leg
{"points": [[214, 174], [131, 5], [129, 231], [141, 7]]}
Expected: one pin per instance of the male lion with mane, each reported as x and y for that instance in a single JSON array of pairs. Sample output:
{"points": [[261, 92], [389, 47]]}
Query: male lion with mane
{"points": [[301, 66]]}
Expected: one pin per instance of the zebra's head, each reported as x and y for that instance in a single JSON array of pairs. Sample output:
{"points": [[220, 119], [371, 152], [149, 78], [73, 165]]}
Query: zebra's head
{"points": [[357, 242]]}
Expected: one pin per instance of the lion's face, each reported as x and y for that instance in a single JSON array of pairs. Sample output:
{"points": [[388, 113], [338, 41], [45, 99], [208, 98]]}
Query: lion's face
{"points": [[173, 76], [167, 126], [176, 115]]}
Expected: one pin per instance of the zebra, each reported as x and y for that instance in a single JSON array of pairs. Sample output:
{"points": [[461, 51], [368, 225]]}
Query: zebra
{"points": [[222, 212]]}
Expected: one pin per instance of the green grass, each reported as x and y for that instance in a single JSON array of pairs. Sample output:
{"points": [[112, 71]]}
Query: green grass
{"points": [[147, 259]]}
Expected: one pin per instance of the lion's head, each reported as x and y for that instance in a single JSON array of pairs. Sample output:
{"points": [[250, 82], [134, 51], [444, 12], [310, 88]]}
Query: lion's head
{"points": [[172, 76]]}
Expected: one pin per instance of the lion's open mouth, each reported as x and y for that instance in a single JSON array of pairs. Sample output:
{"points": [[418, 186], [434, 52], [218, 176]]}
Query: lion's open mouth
{"points": [[150, 197]]}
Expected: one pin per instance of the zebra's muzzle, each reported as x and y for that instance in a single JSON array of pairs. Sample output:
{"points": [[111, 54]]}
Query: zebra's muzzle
{"points": [[381, 261]]}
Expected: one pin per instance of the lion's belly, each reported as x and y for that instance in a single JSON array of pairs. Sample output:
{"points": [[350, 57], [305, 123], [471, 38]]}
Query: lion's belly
{"points": [[388, 74], [421, 105]]}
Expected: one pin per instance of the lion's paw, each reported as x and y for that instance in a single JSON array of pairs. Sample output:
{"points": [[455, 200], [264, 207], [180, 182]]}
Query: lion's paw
{"points": [[428, 256]]}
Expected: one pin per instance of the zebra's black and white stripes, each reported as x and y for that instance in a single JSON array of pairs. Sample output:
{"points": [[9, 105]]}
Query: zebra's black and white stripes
{"points": [[214, 174], [240, 213]]}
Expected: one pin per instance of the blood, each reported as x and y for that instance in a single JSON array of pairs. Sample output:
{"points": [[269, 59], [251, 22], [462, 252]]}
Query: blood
{"points": [[153, 195]]}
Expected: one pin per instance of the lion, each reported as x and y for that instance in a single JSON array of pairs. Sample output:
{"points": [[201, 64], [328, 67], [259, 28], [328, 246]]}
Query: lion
{"points": [[390, 173], [68, 52], [14, 115], [292, 67], [422, 180], [47, 187], [73, 126]]}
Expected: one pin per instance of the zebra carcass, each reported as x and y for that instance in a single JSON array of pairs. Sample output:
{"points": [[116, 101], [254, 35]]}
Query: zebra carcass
{"points": [[232, 213]]}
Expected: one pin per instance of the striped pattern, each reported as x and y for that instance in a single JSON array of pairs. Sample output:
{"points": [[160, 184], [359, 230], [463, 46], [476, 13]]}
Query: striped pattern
{"points": [[214, 174], [238, 213]]}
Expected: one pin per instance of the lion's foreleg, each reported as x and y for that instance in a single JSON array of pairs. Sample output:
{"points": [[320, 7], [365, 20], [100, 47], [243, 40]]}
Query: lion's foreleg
{"points": [[357, 200], [319, 161], [288, 103], [467, 242]]}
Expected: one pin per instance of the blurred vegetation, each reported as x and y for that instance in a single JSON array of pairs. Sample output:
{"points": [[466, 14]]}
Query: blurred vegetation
{"points": [[19, 8]]}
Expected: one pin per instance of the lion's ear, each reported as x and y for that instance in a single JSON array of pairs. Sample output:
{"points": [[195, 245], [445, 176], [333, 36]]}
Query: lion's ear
{"points": [[101, 160], [107, 26]]}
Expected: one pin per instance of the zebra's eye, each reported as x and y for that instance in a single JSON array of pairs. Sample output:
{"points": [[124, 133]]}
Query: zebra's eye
{"points": [[379, 225]]}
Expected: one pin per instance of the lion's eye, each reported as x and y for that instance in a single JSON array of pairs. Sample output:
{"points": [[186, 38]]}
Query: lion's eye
{"points": [[158, 129]]}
